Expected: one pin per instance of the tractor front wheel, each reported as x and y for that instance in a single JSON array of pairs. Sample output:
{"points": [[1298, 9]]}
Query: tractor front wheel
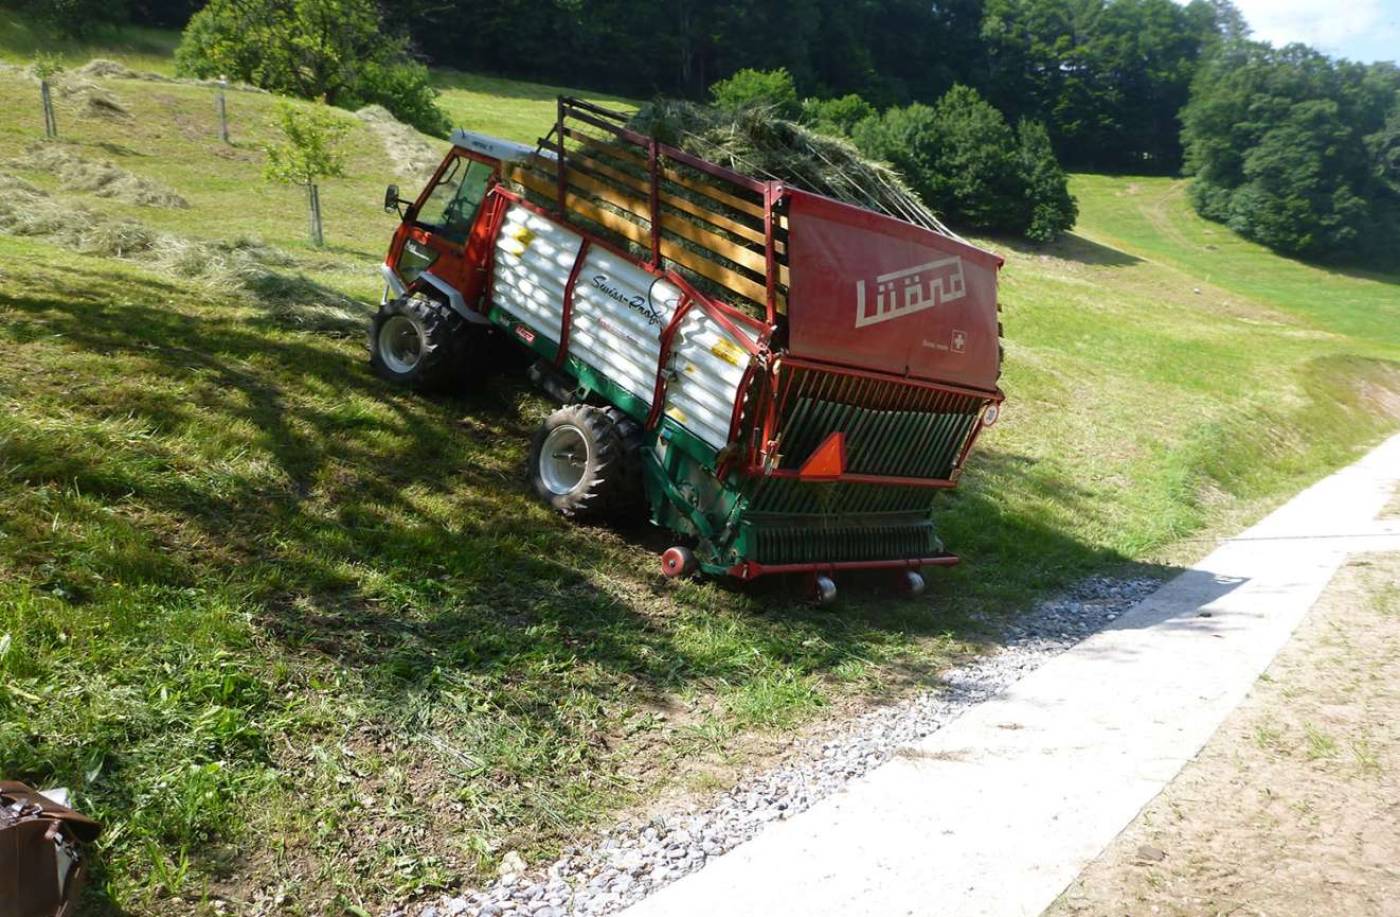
{"points": [[420, 343], [585, 462]]}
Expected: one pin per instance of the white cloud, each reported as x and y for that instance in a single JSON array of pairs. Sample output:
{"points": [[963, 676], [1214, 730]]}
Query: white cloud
{"points": [[1322, 23], [1364, 29]]}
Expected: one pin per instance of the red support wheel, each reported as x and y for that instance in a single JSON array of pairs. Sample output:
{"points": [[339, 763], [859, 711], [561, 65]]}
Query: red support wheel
{"points": [[677, 562]]}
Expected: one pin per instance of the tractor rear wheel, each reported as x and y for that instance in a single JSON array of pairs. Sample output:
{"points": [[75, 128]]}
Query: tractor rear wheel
{"points": [[421, 343], [585, 462]]}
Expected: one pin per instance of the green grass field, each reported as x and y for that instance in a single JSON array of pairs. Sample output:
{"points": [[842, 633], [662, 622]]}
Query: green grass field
{"points": [[296, 636]]}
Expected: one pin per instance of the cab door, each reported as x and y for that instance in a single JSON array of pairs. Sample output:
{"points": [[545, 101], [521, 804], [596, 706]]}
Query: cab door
{"points": [[441, 224]]}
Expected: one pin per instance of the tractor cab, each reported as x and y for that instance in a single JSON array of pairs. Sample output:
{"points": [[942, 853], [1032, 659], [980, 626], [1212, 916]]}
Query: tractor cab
{"points": [[442, 239]]}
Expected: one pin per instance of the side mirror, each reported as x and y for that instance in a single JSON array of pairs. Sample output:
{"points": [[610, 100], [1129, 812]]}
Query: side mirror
{"points": [[391, 199]]}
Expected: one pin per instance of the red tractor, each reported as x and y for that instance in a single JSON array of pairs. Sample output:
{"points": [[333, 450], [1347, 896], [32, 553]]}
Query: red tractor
{"points": [[784, 380]]}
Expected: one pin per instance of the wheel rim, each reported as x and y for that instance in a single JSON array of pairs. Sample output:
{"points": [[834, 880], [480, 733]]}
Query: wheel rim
{"points": [[564, 459], [400, 344]]}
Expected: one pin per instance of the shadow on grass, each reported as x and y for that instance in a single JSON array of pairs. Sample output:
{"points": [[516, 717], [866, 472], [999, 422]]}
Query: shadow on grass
{"points": [[394, 537], [1071, 247]]}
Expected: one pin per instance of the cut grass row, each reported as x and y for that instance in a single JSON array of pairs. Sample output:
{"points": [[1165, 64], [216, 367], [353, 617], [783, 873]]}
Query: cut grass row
{"points": [[292, 633]]}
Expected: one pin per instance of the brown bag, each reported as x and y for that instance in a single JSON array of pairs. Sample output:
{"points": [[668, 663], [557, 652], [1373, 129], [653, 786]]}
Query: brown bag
{"points": [[41, 858]]}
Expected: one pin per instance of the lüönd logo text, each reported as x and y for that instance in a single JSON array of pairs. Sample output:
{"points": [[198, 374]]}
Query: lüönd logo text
{"points": [[911, 290]]}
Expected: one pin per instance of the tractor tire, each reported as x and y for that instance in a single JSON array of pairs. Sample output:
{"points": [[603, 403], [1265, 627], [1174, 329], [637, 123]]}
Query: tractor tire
{"points": [[420, 343], [585, 461]]}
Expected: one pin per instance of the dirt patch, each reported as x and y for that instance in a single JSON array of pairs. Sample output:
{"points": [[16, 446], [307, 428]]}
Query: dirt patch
{"points": [[97, 177], [410, 152], [1294, 806]]}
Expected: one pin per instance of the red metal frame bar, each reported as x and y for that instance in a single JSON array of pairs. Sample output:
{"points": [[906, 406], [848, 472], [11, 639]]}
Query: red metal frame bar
{"points": [[496, 216], [668, 335], [654, 170], [840, 369], [590, 106], [752, 569], [562, 175], [565, 320], [723, 313], [854, 478], [967, 447], [736, 418], [772, 192]]}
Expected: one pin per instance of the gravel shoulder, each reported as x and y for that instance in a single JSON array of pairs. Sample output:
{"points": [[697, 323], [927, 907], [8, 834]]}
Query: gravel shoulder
{"points": [[636, 858], [1293, 808]]}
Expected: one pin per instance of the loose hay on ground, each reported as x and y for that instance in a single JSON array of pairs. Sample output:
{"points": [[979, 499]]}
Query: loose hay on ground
{"points": [[99, 177], [238, 266], [104, 68], [410, 152], [92, 100]]}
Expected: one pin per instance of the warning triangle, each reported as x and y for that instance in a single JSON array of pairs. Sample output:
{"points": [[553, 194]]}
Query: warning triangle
{"points": [[827, 461]]}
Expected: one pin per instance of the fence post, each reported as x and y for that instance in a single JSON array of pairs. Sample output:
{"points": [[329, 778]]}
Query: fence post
{"points": [[50, 122], [223, 109], [313, 195]]}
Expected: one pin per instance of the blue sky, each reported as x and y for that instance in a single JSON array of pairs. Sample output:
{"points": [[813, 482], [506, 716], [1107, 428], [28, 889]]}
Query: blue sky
{"points": [[1365, 30]]}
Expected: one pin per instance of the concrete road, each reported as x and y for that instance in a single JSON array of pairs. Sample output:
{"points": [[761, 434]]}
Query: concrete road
{"points": [[999, 811]]}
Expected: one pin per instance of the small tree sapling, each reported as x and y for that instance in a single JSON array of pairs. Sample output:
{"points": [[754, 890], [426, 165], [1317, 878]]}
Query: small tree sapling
{"points": [[309, 152], [46, 66]]}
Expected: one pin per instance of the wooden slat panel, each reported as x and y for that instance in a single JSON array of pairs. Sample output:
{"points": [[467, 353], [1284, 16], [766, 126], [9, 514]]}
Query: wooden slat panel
{"points": [[680, 203], [731, 280], [709, 191], [671, 223], [714, 219], [697, 185], [638, 207], [609, 147], [711, 242], [687, 230], [613, 221]]}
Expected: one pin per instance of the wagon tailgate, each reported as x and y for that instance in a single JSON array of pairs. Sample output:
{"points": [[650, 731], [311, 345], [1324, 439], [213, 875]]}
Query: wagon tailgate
{"points": [[874, 292]]}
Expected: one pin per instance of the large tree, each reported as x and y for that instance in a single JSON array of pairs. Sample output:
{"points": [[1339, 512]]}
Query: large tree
{"points": [[968, 164], [336, 50], [1106, 76], [1296, 150]]}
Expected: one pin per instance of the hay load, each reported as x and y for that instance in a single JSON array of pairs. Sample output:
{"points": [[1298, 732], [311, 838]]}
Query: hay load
{"points": [[754, 141]]}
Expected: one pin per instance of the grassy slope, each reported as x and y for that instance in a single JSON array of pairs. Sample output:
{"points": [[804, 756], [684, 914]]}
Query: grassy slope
{"points": [[234, 566]]}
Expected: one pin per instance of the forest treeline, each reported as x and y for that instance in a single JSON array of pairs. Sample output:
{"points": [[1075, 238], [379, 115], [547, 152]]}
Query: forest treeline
{"points": [[1106, 77], [1288, 146]]}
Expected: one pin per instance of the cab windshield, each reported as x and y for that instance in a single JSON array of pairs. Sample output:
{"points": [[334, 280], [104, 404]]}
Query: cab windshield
{"points": [[450, 208]]}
